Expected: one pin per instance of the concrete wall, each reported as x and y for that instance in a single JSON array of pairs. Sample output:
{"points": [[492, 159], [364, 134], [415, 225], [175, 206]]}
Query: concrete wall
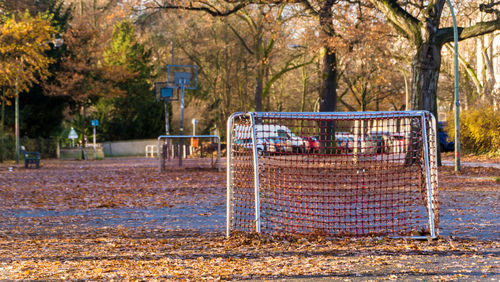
{"points": [[127, 148]]}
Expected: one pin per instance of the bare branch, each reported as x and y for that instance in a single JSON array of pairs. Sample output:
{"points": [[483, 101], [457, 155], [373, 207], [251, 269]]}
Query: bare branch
{"points": [[202, 7], [488, 8], [407, 25], [445, 35]]}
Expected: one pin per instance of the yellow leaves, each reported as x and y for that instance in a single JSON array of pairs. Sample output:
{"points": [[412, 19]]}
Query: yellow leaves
{"points": [[23, 43], [59, 248], [201, 258], [479, 130]]}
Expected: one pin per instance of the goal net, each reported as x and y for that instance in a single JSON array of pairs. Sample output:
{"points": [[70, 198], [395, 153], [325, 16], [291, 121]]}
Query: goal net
{"points": [[189, 152], [333, 174]]}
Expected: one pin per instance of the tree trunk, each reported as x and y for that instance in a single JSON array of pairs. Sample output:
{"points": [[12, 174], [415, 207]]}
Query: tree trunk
{"points": [[328, 100], [328, 94], [425, 70], [304, 88], [259, 88], [328, 90]]}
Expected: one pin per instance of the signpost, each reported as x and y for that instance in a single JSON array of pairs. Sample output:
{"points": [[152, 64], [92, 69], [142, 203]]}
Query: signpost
{"points": [[166, 94], [194, 122], [72, 135], [95, 123], [183, 77]]}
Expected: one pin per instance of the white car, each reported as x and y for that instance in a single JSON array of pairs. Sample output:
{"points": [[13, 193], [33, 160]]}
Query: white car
{"points": [[270, 135]]}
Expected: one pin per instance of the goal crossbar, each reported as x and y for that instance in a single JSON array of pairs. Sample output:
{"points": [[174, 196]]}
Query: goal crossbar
{"points": [[292, 173]]}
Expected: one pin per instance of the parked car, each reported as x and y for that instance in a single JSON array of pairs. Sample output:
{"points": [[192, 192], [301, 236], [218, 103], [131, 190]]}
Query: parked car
{"points": [[276, 144], [444, 140], [264, 146], [367, 145], [280, 136], [382, 140], [345, 143], [312, 144], [399, 143]]}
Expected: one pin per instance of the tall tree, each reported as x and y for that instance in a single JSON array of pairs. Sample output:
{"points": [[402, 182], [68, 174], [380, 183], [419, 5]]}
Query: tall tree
{"points": [[369, 76], [83, 77], [23, 62], [23, 43], [320, 9], [136, 114], [420, 23], [34, 102]]}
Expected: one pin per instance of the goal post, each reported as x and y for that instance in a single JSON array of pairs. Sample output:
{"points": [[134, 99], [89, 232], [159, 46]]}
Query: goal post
{"points": [[192, 151], [333, 174]]}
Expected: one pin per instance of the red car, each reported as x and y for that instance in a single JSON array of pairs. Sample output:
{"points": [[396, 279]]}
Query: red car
{"points": [[312, 144]]}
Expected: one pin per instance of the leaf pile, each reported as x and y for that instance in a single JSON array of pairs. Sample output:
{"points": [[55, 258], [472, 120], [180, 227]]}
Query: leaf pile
{"points": [[61, 247]]}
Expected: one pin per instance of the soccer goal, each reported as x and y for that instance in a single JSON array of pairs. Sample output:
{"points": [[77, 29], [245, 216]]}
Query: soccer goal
{"points": [[189, 151], [333, 174]]}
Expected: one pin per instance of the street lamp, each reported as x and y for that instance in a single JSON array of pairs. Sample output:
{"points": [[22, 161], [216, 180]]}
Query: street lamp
{"points": [[17, 109], [57, 42], [457, 97]]}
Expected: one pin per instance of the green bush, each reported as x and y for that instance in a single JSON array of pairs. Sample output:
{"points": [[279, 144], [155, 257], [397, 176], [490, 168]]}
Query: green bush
{"points": [[7, 151], [479, 131], [46, 147]]}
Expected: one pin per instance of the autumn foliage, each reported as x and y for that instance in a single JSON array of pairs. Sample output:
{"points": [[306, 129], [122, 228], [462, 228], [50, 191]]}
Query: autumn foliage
{"points": [[23, 42], [479, 130], [120, 219]]}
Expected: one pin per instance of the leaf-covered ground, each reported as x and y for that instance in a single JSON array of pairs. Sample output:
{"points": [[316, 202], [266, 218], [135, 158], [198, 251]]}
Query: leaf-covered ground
{"points": [[121, 219]]}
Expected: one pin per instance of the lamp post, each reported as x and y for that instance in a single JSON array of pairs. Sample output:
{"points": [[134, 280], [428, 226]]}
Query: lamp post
{"points": [[17, 109], [457, 97], [57, 42]]}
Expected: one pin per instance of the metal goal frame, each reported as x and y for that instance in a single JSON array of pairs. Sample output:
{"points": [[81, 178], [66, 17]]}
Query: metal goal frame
{"points": [[427, 153], [163, 138]]}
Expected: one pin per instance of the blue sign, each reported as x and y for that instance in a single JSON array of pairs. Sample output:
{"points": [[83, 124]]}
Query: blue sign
{"points": [[95, 122], [166, 92]]}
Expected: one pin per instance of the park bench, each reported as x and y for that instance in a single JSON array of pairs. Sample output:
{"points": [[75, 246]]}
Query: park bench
{"points": [[31, 158]]}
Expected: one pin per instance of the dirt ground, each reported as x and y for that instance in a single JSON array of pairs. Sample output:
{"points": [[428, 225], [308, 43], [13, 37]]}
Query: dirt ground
{"points": [[120, 219]]}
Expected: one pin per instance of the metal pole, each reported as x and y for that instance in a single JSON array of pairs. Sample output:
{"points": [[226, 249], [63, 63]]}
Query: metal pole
{"points": [[229, 173], [218, 154], [95, 150], [428, 178], [182, 110], [172, 53], [457, 97], [17, 111], [167, 126], [17, 124], [181, 128], [256, 174]]}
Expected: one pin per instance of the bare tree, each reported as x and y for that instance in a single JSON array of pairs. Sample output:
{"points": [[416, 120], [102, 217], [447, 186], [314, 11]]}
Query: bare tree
{"points": [[419, 22]]}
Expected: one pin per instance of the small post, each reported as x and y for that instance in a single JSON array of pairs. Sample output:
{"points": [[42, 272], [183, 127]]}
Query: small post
{"points": [[167, 128], [194, 122], [164, 149], [95, 123], [179, 152]]}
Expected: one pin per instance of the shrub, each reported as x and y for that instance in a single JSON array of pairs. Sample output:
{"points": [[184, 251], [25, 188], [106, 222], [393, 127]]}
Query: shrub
{"points": [[479, 130], [46, 147]]}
